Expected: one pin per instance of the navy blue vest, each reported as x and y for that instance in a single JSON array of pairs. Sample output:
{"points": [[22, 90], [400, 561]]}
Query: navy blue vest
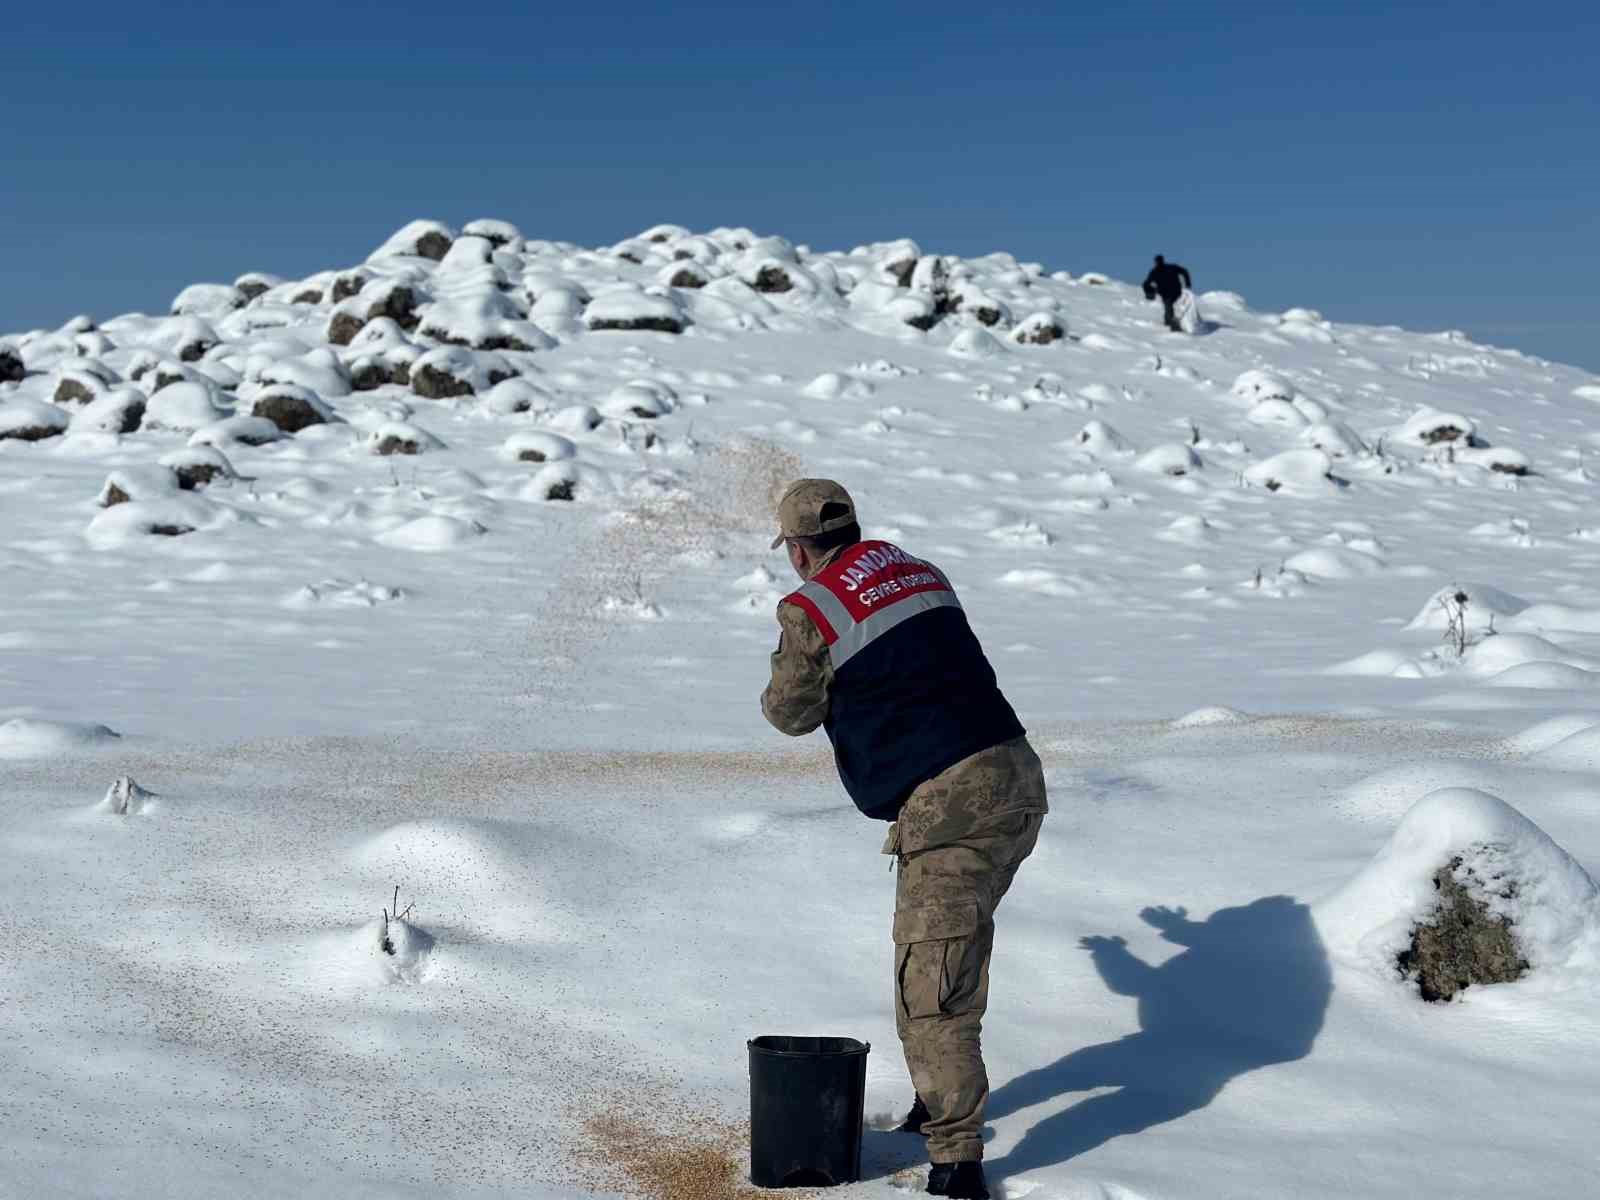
{"points": [[912, 692]]}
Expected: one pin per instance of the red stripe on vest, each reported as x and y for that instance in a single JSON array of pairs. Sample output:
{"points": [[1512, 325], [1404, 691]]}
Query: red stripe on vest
{"points": [[871, 576], [805, 605]]}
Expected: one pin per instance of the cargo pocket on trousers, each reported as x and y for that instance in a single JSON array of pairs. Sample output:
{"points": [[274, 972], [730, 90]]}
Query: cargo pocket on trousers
{"points": [[932, 945]]}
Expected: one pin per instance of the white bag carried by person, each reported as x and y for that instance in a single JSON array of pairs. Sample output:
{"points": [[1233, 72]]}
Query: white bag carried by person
{"points": [[1187, 312]]}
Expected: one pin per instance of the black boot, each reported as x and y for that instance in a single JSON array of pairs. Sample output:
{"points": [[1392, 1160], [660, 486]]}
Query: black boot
{"points": [[960, 1181], [915, 1120]]}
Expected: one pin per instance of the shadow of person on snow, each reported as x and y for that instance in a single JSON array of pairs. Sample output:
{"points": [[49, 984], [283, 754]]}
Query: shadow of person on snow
{"points": [[1249, 990]]}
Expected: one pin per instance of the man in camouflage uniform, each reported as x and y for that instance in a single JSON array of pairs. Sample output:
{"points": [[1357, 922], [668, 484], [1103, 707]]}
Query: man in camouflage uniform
{"points": [[875, 648]]}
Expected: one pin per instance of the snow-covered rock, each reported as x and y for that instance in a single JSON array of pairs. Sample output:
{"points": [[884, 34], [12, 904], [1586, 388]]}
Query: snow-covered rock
{"points": [[182, 407], [1302, 472], [31, 420], [1432, 427], [631, 310], [1502, 859]]}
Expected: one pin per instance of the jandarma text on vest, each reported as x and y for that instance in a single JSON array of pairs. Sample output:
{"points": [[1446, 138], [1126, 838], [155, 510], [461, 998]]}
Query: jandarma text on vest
{"points": [[873, 560]]}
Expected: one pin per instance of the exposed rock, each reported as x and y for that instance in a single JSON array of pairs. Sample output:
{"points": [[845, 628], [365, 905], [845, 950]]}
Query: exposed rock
{"points": [[255, 284], [503, 341], [125, 798], [772, 278], [198, 466], [391, 444], [434, 245], [1431, 427], [654, 324], [194, 348], [394, 302], [343, 328], [349, 284], [119, 411], [498, 234], [641, 399], [291, 408], [539, 447], [137, 483], [369, 373], [398, 437], [688, 277], [900, 263], [168, 374], [436, 382], [11, 368], [1040, 329], [1464, 943], [78, 387], [398, 303], [308, 296]]}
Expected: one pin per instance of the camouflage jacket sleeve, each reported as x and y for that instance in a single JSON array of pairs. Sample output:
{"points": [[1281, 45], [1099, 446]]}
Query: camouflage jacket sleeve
{"points": [[796, 701]]}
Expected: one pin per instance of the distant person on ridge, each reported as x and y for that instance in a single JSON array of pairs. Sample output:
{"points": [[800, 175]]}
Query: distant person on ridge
{"points": [[875, 648], [1167, 280]]}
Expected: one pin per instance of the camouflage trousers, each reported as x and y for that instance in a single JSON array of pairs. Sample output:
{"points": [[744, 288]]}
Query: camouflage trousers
{"points": [[960, 838]]}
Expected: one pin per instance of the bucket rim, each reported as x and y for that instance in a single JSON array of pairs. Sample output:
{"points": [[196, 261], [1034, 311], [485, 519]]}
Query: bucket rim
{"points": [[855, 1047]]}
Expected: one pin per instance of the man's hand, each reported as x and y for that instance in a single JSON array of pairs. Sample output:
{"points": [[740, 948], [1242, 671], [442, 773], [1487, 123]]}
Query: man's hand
{"points": [[1103, 945]]}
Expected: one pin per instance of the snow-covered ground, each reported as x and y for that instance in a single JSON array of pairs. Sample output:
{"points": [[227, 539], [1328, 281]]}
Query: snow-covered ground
{"points": [[514, 673]]}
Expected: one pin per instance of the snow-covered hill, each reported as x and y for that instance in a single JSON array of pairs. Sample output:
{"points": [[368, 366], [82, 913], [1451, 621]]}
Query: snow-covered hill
{"points": [[449, 569]]}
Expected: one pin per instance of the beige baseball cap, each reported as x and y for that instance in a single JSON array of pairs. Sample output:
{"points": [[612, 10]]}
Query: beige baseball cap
{"points": [[800, 510]]}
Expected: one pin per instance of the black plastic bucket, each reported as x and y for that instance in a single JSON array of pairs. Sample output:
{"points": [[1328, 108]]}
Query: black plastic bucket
{"points": [[806, 1100]]}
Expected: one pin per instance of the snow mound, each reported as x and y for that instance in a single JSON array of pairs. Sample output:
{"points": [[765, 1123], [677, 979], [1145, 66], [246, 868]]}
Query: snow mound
{"points": [[1578, 751], [342, 593], [1169, 458], [380, 953], [1553, 907], [432, 533], [1507, 650], [1100, 440], [1326, 562], [184, 406], [1551, 676], [474, 874], [30, 737], [1431, 427], [538, 447], [831, 385], [1537, 618], [1483, 602], [1548, 733], [1298, 472], [1261, 385], [125, 798], [31, 420], [171, 517], [630, 310], [1376, 663], [1211, 716]]}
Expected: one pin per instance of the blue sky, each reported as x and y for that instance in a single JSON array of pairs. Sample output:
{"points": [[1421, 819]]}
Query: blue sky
{"points": [[1432, 166]]}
